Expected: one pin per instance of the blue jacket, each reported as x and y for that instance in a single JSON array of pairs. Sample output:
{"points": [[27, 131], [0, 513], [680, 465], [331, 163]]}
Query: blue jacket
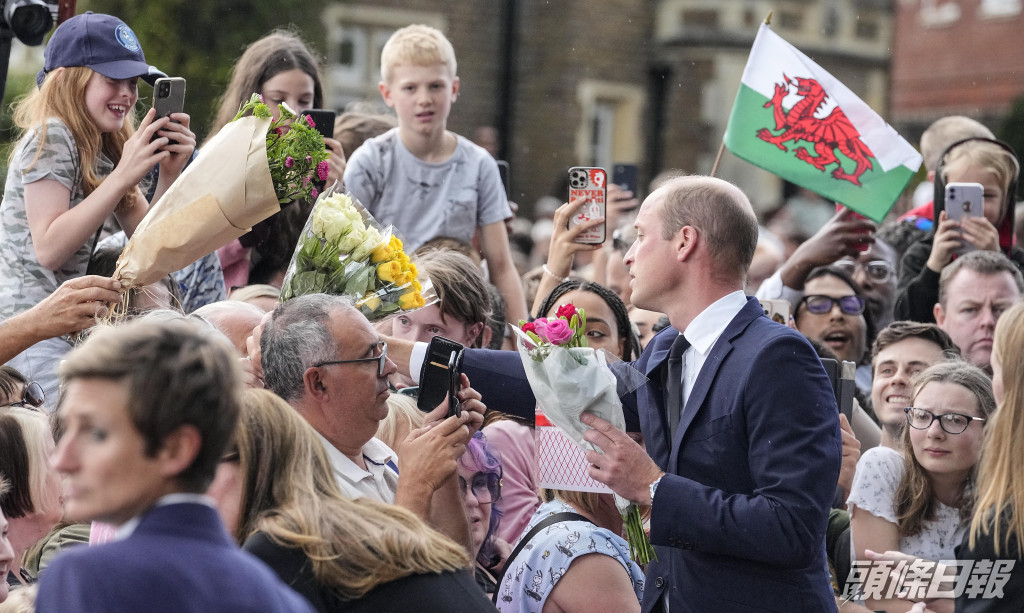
{"points": [[178, 559]]}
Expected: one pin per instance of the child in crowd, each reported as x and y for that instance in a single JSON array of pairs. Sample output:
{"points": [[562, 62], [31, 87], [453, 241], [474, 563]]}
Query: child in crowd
{"points": [[283, 70], [424, 179], [80, 158], [975, 160]]}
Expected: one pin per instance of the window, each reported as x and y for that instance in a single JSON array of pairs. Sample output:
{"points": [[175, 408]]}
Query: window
{"points": [[610, 129]]}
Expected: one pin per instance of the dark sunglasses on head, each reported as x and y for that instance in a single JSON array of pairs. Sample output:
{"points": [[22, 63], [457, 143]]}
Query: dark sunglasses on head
{"points": [[820, 305]]}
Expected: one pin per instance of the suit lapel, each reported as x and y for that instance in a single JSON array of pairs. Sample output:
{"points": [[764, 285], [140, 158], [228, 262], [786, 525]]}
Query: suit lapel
{"points": [[709, 371], [659, 444]]}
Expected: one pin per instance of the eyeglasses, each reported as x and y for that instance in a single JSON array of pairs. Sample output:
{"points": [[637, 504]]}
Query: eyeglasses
{"points": [[878, 271], [486, 487], [31, 397], [953, 423], [820, 305], [381, 359]]}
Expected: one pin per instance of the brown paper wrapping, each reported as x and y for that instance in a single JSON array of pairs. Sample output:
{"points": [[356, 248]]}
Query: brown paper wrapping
{"points": [[224, 192]]}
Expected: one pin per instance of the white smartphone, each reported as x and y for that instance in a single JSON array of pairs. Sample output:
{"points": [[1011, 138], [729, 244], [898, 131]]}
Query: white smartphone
{"points": [[776, 310], [965, 200]]}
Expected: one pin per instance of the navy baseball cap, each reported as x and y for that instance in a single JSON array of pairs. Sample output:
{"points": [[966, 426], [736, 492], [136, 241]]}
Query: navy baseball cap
{"points": [[102, 42]]}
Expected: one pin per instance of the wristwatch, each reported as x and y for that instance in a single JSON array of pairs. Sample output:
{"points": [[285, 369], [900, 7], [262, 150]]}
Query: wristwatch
{"points": [[654, 488]]}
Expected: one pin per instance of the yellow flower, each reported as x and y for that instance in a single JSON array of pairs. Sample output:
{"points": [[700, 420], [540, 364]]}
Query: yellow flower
{"points": [[382, 253], [411, 269], [411, 300], [389, 271], [403, 260], [416, 285], [396, 243]]}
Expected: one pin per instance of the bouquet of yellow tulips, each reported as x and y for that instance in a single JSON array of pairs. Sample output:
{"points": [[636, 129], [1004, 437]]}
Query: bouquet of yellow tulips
{"points": [[344, 251]]}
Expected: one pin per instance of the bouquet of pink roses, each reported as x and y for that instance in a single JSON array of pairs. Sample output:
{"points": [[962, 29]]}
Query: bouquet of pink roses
{"points": [[569, 378]]}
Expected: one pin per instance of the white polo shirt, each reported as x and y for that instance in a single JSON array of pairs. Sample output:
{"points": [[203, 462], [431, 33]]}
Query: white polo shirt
{"points": [[379, 482]]}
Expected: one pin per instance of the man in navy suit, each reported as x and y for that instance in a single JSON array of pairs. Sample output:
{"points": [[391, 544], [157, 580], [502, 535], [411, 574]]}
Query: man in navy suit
{"points": [[742, 458], [149, 409], [742, 463]]}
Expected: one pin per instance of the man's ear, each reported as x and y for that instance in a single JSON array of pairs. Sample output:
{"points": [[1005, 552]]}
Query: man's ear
{"points": [[455, 88], [686, 243], [314, 384], [179, 450], [939, 313], [385, 94]]}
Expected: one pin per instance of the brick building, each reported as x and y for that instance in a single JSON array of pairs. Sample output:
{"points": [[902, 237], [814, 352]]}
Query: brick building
{"points": [[597, 82], [955, 57]]}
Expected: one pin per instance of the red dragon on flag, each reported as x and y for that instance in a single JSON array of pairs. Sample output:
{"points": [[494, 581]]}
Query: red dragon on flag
{"points": [[828, 134]]}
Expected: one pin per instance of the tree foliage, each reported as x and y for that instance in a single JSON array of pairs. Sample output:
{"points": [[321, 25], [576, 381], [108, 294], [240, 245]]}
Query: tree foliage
{"points": [[202, 40]]}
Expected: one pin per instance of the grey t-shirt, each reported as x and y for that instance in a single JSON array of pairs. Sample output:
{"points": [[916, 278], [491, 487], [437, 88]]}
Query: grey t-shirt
{"points": [[424, 200], [23, 280]]}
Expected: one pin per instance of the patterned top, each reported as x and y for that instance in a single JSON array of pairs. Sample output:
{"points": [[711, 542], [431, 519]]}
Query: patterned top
{"points": [[542, 562], [874, 487], [425, 200], [24, 282]]}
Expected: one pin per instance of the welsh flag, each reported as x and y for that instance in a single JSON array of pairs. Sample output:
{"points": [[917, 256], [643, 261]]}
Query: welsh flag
{"points": [[794, 119]]}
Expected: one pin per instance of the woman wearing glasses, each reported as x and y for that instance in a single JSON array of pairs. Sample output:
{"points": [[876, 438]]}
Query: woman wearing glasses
{"points": [[919, 500], [480, 482], [276, 493], [833, 312]]}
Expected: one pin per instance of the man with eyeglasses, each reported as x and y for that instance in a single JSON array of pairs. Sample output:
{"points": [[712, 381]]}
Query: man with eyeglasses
{"points": [[838, 244], [322, 356]]}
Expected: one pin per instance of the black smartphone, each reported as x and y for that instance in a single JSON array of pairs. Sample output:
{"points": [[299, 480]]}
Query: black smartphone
{"points": [[323, 121], [439, 375], [624, 175], [503, 171]]}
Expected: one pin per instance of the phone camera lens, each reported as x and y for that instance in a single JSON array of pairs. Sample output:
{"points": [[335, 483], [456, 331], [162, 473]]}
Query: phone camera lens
{"points": [[165, 89]]}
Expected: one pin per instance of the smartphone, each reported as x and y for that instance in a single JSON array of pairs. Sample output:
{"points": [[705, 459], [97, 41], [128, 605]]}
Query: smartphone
{"points": [[624, 175], [776, 310], [439, 375], [503, 171], [169, 96], [323, 121], [964, 200], [591, 183], [862, 247]]}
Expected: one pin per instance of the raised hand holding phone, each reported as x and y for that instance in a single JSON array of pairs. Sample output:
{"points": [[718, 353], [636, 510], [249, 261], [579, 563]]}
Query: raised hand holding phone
{"points": [[592, 184]]}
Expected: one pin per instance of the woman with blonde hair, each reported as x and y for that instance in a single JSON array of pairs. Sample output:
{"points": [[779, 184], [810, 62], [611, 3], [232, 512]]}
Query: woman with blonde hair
{"points": [[918, 501], [997, 525], [341, 554]]}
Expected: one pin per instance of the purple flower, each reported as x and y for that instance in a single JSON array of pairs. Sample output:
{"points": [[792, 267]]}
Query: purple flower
{"points": [[261, 98], [310, 121], [321, 170], [556, 332], [309, 159], [289, 162], [314, 193]]}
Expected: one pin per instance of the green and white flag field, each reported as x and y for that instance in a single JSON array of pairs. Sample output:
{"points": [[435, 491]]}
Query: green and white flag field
{"points": [[794, 119]]}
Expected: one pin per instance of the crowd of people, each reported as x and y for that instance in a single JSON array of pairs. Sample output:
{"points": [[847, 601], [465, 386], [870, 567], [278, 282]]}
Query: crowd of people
{"points": [[212, 448]]}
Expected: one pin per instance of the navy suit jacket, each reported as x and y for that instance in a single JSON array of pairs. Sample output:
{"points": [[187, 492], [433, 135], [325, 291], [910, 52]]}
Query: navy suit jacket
{"points": [[178, 559], [739, 519]]}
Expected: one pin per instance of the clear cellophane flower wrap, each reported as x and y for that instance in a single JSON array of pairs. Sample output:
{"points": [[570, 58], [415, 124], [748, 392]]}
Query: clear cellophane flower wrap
{"points": [[568, 378], [241, 176], [344, 251]]}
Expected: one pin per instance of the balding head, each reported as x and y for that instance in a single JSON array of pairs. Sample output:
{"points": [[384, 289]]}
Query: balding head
{"points": [[233, 318], [720, 212]]}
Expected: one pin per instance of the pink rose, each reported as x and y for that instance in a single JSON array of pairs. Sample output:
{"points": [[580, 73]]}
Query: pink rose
{"points": [[556, 332]]}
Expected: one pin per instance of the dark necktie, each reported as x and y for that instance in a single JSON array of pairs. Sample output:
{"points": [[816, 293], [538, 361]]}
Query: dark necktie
{"points": [[674, 383]]}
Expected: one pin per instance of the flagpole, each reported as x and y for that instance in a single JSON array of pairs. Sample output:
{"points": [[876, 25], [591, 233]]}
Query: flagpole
{"points": [[718, 158]]}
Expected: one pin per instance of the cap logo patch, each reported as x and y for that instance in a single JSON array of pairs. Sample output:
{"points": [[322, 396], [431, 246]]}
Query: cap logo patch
{"points": [[126, 38]]}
